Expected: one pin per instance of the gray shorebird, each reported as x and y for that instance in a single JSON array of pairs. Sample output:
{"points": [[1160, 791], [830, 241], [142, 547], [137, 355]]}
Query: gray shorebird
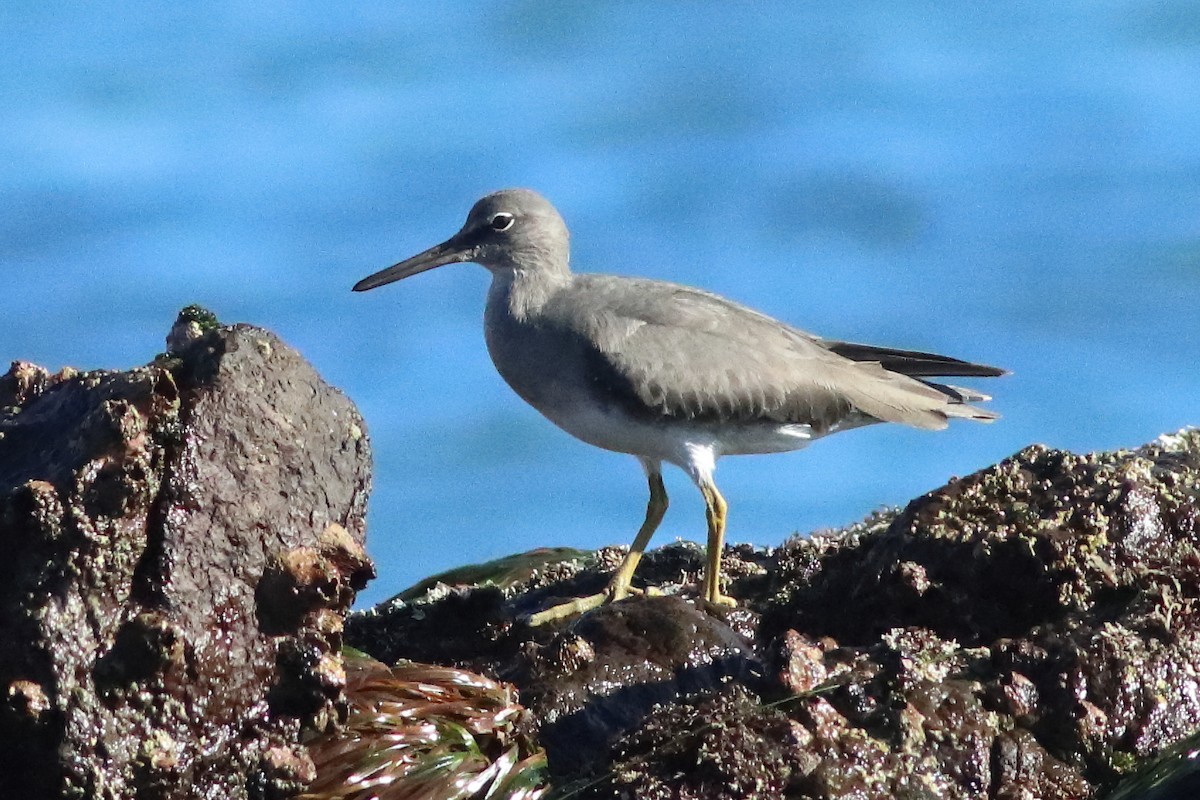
{"points": [[668, 373]]}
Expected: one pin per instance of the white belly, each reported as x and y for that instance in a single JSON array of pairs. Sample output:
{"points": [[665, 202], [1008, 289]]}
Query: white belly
{"points": [[676, 441]]}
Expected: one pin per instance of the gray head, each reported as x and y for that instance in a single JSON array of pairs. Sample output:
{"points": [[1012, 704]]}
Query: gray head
{"points": [[513, 229]]}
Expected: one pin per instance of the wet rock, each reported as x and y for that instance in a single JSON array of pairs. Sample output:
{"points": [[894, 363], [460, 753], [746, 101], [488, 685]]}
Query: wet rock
{"points": [[727, 745], [603, 675], [139, 512], [461, 627], [801, 663], [1032, 630], [1025, 769]]}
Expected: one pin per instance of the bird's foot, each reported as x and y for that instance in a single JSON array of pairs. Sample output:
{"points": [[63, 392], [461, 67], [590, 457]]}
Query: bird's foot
{"points": [[719, 600], [649, 591], [569, 608], [581, 604]]}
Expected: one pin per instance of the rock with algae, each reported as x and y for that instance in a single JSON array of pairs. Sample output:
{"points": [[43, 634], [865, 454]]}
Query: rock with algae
{"points": [[180, 542], [1029, 631]]}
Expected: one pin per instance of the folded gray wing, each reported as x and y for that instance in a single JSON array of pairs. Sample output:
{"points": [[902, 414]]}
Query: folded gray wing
{"points": [[676, 351]]}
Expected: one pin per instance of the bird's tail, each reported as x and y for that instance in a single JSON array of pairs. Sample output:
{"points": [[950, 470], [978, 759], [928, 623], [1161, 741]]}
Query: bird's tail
{"points": [[955, 402], [960, 402], [891, 396]]}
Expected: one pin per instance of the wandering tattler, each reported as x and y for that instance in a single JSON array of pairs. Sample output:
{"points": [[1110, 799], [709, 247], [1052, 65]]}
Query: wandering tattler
{"points": [[669, 373]]}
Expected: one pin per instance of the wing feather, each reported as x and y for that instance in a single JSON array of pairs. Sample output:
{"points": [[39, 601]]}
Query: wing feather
{"points": [[682, 352], [912, 362]]}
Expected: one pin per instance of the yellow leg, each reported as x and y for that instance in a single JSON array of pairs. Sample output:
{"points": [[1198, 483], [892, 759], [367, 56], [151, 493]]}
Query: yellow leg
{"points": [[715, 511], [656, 508], [619, 587]]}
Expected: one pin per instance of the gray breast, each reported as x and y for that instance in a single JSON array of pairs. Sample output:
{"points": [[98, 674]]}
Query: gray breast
{"points": [[552, 367]]}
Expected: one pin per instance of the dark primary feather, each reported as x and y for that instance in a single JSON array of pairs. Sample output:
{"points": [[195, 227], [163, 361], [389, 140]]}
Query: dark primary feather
{"points": [[913, 363]]}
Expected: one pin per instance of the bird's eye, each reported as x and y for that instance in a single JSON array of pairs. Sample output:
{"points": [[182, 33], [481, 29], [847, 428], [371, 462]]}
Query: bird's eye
{"points": [[501, 222]]}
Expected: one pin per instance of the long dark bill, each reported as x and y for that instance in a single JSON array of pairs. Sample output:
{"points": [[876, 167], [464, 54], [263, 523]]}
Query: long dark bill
{"points": [[451, 251]]}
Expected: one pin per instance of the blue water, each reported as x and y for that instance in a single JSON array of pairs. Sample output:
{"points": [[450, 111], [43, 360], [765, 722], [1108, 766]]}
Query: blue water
{"points": [[1014, 183]]}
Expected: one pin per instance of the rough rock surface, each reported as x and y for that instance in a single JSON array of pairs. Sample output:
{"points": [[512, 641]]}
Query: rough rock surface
{"points": [[181, 542], [1029, 631]]}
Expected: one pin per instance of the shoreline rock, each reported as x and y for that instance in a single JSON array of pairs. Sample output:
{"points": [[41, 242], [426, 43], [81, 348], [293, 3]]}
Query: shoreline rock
{"points": [[183, 542], [1030, 630], [145, 655]]}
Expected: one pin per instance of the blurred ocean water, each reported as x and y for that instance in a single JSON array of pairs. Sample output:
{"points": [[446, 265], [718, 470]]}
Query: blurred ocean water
{"points": [[1015, 184]]}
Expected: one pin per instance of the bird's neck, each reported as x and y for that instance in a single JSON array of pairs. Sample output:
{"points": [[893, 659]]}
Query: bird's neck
{"points": [[524, 292]]}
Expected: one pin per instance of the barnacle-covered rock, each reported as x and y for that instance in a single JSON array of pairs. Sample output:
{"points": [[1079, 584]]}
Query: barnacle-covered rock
{"points": [[1031, 630], [145, 656]]}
